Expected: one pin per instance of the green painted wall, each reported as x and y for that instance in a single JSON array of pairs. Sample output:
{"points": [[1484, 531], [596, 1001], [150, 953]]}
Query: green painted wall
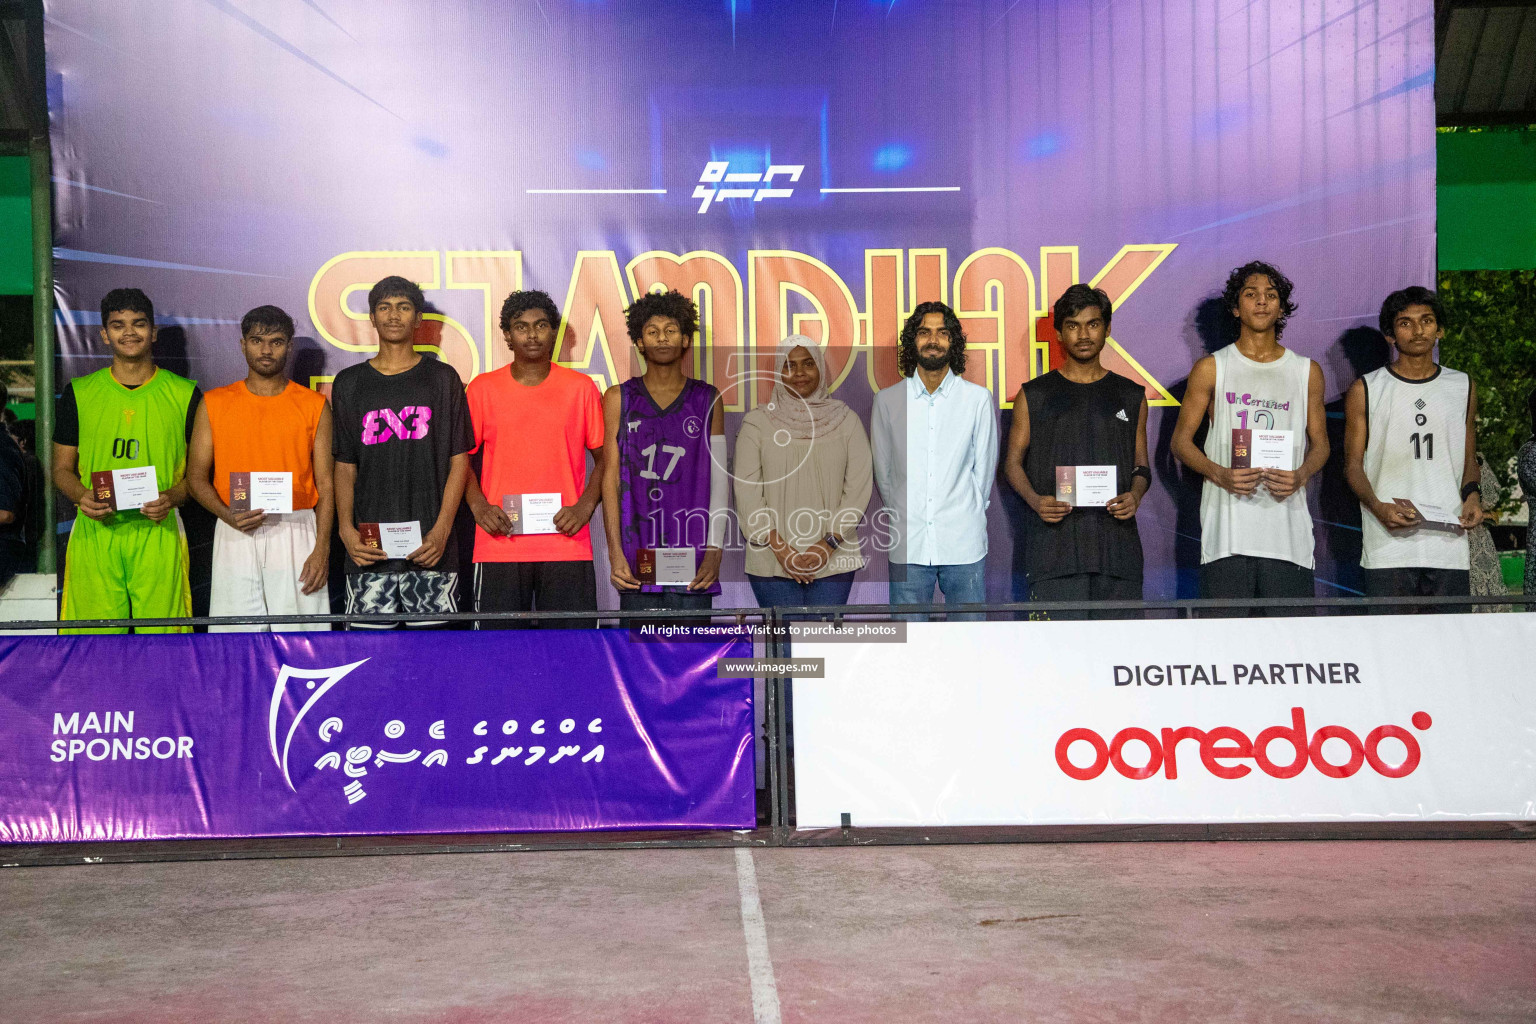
{"points": [[1486, 199], [15, 226]]}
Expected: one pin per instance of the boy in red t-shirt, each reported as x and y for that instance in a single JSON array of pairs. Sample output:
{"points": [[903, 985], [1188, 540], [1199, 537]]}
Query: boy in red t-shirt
{"points": [[535, 423]]}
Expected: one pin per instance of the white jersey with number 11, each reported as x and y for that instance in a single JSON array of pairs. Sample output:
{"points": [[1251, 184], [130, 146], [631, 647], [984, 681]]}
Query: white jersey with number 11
{"points": [[1415, 448]]}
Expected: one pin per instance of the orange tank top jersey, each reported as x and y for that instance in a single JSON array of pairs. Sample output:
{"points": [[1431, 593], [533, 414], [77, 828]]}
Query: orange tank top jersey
{"points": [[256, 434]]}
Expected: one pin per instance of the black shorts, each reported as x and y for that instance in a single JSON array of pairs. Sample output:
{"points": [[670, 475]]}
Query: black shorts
{"points": [[1087, 586], [1417, 583], [535, 586], [1245, 576], [679, 598], [673, 598], [424, 592]]}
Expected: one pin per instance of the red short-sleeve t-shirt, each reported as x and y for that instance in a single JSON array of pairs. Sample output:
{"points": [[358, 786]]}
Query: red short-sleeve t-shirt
{"points": [[535, 440]]}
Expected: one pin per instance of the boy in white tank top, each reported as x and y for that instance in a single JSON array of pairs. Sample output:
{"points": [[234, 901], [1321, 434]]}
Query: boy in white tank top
{"points": [[1255, 527], [1410, 434]]}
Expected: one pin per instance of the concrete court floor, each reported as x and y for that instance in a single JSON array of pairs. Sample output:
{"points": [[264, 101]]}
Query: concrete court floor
{"points": [[1242, 931]]}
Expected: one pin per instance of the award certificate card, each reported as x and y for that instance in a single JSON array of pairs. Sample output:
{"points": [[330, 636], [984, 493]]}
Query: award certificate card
{"points": [[1066, 484], [270, 492], [239, 492], [101, 487], [676, 567], [532, 513], [1242, 448], [134, 488], [1433, 517], [1274, 449], [1096, 486], [400, 539]]}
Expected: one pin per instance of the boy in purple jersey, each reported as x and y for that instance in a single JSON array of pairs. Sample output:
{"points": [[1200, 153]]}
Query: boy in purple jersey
{"points": [[664, 478]]}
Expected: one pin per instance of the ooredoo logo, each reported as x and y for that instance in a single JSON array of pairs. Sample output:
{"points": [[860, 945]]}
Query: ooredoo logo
{"points": [[1227, 744]]}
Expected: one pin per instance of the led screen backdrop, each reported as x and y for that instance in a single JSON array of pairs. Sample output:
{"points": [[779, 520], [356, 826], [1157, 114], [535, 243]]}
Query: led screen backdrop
{"points": [[811, 165]]}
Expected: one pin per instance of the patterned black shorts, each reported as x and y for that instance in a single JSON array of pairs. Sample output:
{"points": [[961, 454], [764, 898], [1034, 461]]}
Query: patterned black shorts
{"points": [[427, 592]]}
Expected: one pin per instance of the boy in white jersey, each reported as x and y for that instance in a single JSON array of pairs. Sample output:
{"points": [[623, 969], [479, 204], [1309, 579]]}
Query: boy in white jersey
{"points": [[1410, 434], [1255, 527]]}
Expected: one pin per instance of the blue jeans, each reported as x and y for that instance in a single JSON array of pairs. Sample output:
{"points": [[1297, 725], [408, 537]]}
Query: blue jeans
{"points": [[960, 584], [780, 591]]}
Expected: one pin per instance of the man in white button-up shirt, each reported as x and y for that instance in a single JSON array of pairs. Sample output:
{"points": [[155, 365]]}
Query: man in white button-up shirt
{"points": [[934, 440]]}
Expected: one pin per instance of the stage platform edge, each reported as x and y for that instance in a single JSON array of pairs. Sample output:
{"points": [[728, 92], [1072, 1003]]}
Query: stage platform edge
{"points": [[24, 855]]}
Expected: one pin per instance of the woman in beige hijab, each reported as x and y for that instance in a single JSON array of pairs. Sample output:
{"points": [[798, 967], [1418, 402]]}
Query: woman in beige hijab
{"points": [[803, 477]]}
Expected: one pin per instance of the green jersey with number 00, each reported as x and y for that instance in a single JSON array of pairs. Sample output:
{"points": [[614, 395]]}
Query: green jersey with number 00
{"points": [[124, 428], [129, 566]]}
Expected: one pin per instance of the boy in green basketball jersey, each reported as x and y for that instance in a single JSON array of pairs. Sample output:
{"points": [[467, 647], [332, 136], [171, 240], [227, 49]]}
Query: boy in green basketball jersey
{"points": [[130, 563]]}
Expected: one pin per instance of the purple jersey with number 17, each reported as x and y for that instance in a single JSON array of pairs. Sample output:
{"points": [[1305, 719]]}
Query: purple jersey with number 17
{"points": [[664, 469]]}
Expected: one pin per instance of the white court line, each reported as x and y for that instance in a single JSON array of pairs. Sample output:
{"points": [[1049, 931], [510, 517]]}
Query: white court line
{"points": [[920, 188], [595, 191], [765, 994]]}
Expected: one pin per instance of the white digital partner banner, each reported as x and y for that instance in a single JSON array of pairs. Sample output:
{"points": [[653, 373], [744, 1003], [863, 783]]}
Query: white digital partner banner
{"points": [[1372, 718]]}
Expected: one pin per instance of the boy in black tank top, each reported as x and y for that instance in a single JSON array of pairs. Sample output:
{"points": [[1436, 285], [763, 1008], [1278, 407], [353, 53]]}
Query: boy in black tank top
{"points": [[1064, 422]]}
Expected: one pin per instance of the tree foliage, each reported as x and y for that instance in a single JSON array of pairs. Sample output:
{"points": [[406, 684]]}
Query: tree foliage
{"points": [[1491, 336]]}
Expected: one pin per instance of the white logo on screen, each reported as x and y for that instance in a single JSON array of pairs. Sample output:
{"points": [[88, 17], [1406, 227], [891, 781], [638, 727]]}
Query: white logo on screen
{"points": [[719, 183], [318, 681]]}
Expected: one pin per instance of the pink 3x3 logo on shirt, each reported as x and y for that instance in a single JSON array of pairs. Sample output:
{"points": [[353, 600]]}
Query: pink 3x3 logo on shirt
{"points": [[410, 424]]}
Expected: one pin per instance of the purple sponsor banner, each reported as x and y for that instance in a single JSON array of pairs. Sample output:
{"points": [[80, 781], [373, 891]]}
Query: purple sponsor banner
{"points": [[158, 737]]}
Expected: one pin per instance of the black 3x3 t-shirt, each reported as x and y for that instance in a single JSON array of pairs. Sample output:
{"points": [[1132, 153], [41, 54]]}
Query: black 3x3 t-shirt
{"points": [[401, 431]]}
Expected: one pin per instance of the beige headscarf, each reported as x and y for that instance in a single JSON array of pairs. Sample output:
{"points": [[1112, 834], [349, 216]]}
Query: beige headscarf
{"points": [[809, 417]]}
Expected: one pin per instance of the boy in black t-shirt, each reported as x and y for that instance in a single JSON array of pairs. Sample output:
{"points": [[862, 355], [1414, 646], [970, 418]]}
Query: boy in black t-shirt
{"points": [[1081, 416], [402, 442]]}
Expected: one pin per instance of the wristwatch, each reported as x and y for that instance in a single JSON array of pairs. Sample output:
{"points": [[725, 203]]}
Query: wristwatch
{"points": [[831, 541]]}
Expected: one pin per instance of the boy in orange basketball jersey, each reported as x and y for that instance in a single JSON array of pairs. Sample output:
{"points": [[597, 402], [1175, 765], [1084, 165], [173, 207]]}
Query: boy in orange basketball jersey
{"points": [[266, 442]]}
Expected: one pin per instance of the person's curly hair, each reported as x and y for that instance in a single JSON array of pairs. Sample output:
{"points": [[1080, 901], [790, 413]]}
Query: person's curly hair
{"points": [[906, 355], [672, 304], [519, 303], [1240, 276]]}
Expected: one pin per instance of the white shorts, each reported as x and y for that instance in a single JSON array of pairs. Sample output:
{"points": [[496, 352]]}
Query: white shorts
{"points": [[257, 573]]}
